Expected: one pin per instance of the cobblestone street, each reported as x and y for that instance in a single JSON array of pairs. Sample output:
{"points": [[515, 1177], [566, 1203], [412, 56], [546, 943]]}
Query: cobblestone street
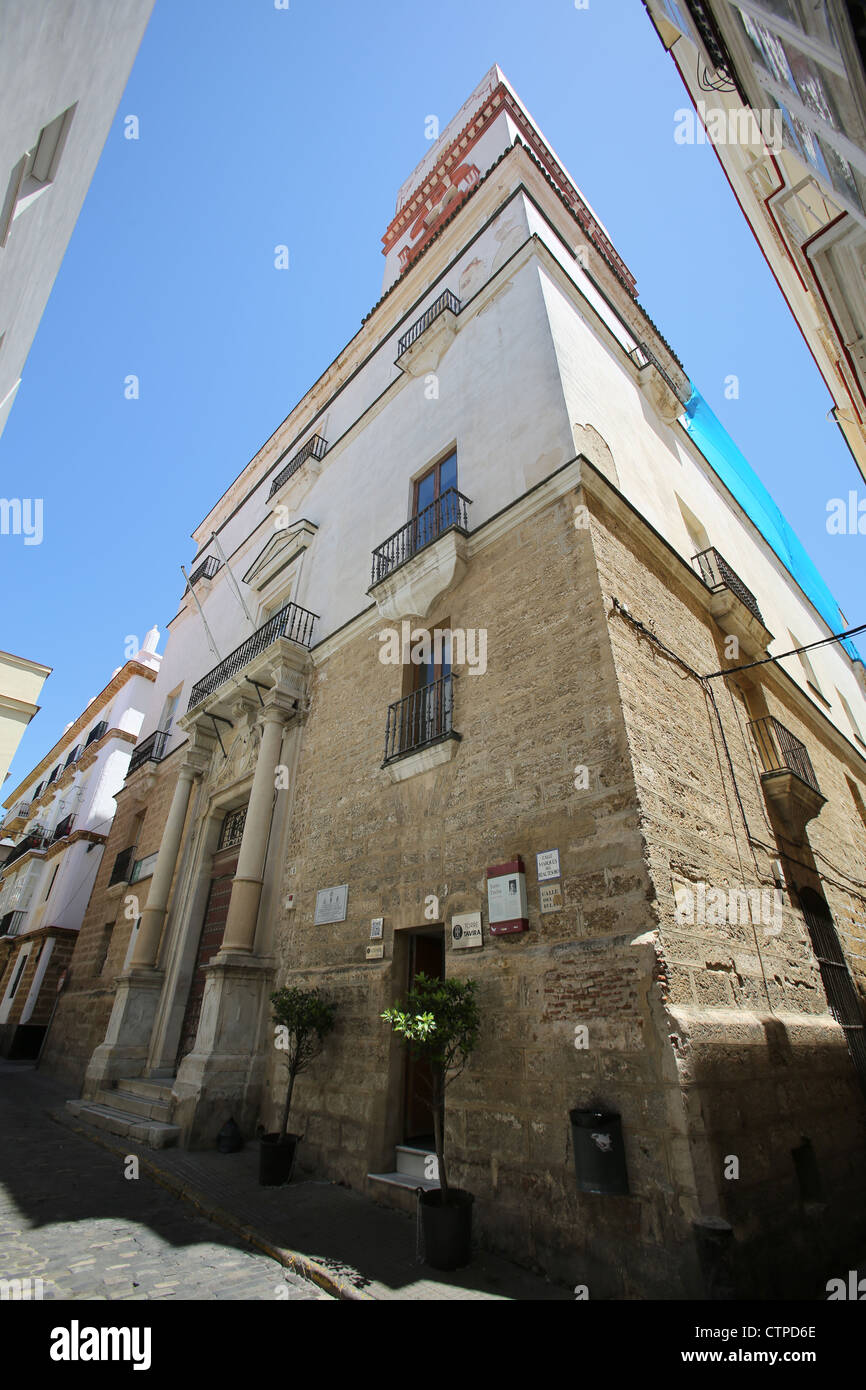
{"points": [[69, 1217]]}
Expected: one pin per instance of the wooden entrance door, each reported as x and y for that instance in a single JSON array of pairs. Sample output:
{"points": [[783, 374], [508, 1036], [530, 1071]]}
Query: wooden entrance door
{"points": [[426, 957], [224, 867]]}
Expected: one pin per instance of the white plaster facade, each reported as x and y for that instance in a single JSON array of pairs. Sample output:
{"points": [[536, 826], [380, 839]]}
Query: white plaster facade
{"points": [[537, 372], [63, 68], [72, 790]]}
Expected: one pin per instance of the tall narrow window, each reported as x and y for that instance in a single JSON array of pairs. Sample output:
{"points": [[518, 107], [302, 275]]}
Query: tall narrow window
{"points": [[808, 671], [435, 500], [855, 727]]}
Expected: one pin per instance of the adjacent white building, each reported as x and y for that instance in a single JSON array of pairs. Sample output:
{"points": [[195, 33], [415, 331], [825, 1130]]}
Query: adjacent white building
{"points": [[59, 818], [63, 67]]}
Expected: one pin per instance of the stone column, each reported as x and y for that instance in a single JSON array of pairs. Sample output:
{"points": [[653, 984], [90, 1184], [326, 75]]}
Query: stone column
{"points": [[240, 929], [153, 916]]}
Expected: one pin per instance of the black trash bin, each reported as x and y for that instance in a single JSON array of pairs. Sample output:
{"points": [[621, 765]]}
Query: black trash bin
{"points": [[599, 1155]]}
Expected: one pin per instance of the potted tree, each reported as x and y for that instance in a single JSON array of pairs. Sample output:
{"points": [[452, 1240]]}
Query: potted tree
{"points": [[303, 1019], [439, 1022]]}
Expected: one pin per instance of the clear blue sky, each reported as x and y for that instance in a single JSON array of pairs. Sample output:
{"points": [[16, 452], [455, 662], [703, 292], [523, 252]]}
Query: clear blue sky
{"points": [[261, 126]]}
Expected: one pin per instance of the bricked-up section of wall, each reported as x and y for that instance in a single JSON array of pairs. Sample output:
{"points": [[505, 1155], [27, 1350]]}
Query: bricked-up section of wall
{"points": [[85, 1006], [546, 708], [762, 1062]]}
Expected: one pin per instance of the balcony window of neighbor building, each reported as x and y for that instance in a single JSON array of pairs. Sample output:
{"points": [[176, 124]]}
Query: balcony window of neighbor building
{"points": [[35, 171]]}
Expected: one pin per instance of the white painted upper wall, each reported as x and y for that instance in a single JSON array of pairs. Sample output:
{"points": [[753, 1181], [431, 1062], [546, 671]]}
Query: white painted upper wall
{"points": [[536, 354]]}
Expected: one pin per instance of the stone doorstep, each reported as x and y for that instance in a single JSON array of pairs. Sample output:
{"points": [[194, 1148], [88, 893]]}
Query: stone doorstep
{"points": [[145, 1107], [153, 1133], [157, 1091]]}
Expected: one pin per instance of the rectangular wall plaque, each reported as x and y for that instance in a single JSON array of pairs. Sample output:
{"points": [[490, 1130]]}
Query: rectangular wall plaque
{"points": [[466, 930], [331, 904], [547, 863], [376, 924], [376, 952], [550, 895]]}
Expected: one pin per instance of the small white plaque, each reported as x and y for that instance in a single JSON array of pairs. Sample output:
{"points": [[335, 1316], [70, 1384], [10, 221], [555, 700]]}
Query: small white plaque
{"points": [[548, 864], [376, 925], [551, 897], [466, 930], [331, 904]]}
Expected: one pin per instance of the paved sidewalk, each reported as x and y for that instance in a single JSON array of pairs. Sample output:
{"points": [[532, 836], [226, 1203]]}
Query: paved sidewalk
{"points": [[73, 1226], [343, 1242]]}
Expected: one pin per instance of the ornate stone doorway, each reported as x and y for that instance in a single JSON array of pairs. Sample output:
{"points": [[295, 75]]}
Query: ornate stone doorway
{"points": [[224, 866]]}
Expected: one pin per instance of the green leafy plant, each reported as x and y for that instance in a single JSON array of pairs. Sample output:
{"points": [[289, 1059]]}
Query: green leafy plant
{"points": [[439, 1022], [303, 1019]]}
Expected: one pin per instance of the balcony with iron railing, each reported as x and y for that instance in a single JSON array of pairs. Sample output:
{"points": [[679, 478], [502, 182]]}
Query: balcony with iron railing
{"points": [[658, 385], [96, 732], [11, 923], [445, 301], [150, 750], [782, 751], [420, 721], [36, 839], [448, 512], [711, 37], [62, 829], [206, 570], [315, 448], [788, 777], [292, 623], [717, 574]]}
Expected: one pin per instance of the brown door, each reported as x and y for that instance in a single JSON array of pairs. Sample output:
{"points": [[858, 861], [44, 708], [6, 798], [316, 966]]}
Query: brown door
{"points": [[211, 939], [426, 957]]}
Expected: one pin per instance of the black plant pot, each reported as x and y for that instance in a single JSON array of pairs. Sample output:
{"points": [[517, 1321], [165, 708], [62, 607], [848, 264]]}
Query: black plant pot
{"points": [[276, 1159], [447, 1229]]}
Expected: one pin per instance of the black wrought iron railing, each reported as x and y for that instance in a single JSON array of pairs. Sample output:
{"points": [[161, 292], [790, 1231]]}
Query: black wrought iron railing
{"points": [[62, 829], [643, 356], [449, 510], [96, 732], [782, 751], [420, 719], [292, 622], [150, 750], [206, 570], [315, 447], [122, 866], [717, 574], [447, 300], [35, 840], [711, 37]]}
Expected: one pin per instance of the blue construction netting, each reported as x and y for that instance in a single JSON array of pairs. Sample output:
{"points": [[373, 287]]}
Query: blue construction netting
{"points": [[720, 451]]}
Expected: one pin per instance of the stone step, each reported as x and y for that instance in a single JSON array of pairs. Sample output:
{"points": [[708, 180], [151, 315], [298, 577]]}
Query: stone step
{"points": [[416, 1163], [152, 1133], [151, 1088], [404, 1180], [149, 1107]]}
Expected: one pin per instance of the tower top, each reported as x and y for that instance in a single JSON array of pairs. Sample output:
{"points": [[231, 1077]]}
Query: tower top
{"points": [[487, 124]]}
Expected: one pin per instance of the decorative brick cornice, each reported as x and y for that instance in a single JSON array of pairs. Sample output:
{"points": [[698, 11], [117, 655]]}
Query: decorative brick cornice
{"points": [[434, 186]]}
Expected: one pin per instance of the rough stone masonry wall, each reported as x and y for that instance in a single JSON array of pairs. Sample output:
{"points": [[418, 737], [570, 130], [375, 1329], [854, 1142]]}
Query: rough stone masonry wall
{"points": [[85, 1006], [547, 705], [761, 1061]]}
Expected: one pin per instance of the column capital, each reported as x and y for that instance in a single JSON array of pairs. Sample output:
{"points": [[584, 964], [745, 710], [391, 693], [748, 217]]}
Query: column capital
{"points": [[195, 764], [278, 708]]}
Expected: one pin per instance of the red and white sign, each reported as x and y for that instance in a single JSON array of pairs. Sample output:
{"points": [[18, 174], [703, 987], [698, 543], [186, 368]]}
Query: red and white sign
{"points": [[507, 908]]}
